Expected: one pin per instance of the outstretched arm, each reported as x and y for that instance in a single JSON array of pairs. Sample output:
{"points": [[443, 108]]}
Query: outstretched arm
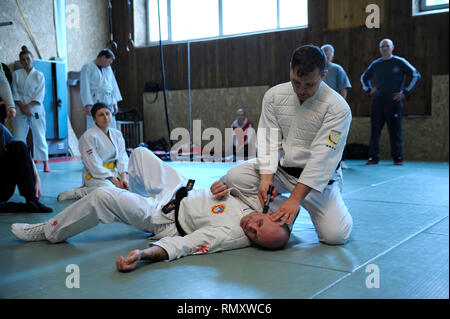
{"points": [[129, 263]]}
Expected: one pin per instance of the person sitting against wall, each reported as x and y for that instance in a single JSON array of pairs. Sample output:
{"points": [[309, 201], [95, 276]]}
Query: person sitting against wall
{"points": [[242, 134], [104, 156], [19, 170]]}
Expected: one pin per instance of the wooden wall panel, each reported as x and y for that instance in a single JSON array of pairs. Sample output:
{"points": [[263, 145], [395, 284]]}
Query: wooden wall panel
{"points": [[263, 59], [344, 14]]}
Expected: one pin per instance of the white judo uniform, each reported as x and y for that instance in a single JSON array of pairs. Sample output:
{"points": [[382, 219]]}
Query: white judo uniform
{"points": [[310, 136], [98, 85], [103, 157], [27, 88], [211, 225], [5, 90]]}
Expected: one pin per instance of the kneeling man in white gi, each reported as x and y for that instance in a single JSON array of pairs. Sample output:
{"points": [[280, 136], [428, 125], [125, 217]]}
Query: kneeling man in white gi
{"points": [[302, 133], [208, 220]]}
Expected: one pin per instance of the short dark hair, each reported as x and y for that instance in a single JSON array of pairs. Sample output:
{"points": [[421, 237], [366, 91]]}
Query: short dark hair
{"points": [[25, 51], [106, 53], [98, 106], [308, 58]]}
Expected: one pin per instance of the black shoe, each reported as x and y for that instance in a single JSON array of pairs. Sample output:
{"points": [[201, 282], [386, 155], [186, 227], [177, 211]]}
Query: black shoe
{"points": [[398, 161], [12, 207], [372, 161], [41, 208]]}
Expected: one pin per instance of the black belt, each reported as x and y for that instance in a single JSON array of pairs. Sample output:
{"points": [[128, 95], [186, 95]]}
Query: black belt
{"points": [[175, 204], [297, 171]]}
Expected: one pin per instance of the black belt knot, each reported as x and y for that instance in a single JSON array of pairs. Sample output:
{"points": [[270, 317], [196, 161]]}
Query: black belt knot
{"points": [[175, 204]]}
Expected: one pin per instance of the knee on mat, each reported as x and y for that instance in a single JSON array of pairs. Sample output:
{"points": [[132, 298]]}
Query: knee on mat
{"points": [[337, 239], [336, 236]]}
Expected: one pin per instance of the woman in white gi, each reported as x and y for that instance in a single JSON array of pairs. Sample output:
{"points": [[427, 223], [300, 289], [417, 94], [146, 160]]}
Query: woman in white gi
{"points": [[98, 85], [28, 88], [104, 157]]}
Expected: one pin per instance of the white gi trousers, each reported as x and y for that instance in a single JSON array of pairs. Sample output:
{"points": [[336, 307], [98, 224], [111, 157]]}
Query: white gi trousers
{"points": [[22, 123], [152, 184], [329, 215]]}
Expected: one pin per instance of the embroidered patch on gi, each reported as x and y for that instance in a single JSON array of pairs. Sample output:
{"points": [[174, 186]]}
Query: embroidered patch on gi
{"points": [[89, 151], [334, 137], [218, 209], [55, 223]]}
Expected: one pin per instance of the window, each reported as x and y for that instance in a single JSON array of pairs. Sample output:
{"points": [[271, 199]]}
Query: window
{"points": [[248, 16], [422, 7], [427, 5], [183, 20], [191, 22], [293, 13], [157, 15]]}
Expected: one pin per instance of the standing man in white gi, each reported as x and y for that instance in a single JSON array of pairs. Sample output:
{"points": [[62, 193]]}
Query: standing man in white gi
{"points": [[28, 88], [98, 84], [301, 137]]}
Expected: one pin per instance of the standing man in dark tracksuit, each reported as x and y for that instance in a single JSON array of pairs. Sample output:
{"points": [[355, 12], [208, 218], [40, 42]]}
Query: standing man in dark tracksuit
{"points": [[388, 73]]}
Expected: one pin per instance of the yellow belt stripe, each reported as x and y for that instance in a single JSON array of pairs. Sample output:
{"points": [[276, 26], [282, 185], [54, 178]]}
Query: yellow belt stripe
{"points": [[110, 165]]}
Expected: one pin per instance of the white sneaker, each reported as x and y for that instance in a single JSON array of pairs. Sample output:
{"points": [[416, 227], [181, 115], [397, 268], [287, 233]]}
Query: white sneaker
{"points": [[69, 194], [29, 232]]}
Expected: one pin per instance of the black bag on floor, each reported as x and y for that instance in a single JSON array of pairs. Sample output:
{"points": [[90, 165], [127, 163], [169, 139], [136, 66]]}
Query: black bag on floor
{"points": [[160, 148], [158, 145]]}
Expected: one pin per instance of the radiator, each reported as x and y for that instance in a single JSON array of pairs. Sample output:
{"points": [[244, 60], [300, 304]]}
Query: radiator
{"points": [[133, 132]]}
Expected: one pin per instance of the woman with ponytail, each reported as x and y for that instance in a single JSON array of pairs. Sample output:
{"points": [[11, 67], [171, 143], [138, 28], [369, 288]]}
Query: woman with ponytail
{"points": [[28, 91]]}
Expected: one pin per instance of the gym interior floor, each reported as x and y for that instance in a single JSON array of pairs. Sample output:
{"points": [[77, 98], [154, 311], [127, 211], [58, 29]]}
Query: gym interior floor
{"points": [[400, 233]]}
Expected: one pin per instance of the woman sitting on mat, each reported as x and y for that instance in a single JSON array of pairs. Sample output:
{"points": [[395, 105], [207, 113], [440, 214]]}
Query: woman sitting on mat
{"points": [[104, 157]]}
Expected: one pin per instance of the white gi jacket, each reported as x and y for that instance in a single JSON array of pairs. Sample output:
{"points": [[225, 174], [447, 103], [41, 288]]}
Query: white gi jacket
{"points": [[211, 225], [311, 136], [96, 149], [98, 85], [29, 87], [5, 91]]}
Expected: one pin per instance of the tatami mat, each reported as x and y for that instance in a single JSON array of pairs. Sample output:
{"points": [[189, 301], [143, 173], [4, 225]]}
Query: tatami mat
{"points": [[400, 217]]}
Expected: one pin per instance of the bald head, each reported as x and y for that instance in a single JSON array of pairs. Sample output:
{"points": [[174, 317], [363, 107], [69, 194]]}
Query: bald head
{"points": [[387, 41], [386, 48], [264, 232]]}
